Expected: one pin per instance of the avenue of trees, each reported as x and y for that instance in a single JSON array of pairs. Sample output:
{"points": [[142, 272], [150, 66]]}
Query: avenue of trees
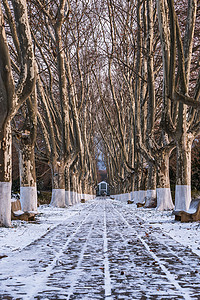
{"points": [[152, 73], [120, 77]]}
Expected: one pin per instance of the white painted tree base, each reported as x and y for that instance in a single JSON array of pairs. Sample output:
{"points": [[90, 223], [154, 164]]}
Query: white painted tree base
{"points": [[126, 197], [5, 204], [164, 199], [150, 197], [142, 195], [28, 198], [58, 198], [182, 197], [83, 196], [136, 197], [72, 197], [132, 196], [76, 197], [68, 198]]}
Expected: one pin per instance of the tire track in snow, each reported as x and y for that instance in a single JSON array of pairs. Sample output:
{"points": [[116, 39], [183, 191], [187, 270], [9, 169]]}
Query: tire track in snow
{"points": [[110, 233], [52, 228], [77, 271], [79, 280], [179, 256], [168, 246], [44, 276], [25, 284], [169, 275]]}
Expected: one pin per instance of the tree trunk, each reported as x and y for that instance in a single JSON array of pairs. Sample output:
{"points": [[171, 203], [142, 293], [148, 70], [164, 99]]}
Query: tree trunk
{"points": [[164, 198], [138, 176], [150, 199], [5, 176], [183, 173], [58, 185], [132, 186], [75, 189], [79, 192], [67, 188], [28, 188], [143, 188], [13, 92], [83, 189], [72, 193]]}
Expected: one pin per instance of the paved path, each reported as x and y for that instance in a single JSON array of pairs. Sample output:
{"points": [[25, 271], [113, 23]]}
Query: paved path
{"points": [[103, 252]]}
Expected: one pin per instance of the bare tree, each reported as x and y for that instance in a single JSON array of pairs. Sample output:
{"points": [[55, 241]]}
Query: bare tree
{"points": [[25, 132], [61, 112], [181, 123], [12, 96]]}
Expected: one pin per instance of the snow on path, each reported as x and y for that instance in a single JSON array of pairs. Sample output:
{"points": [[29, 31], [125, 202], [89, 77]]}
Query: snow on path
{"points": [[22, 234], [102, 249], [43, 277], [107, 279], [176, 262], [170, 276], [77, 271]]}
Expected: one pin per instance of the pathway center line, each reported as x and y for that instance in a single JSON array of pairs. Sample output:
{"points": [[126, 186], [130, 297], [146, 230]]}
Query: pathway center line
{"points": [[107, 279]]}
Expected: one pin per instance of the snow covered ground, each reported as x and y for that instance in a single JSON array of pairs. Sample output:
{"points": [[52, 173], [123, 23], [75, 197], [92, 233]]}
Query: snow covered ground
{"points": [[92, 251], [188, 234], [23, 233]]}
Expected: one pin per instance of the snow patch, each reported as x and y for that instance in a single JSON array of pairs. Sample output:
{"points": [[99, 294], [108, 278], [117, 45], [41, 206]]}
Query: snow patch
{"points": [[18, 212]]}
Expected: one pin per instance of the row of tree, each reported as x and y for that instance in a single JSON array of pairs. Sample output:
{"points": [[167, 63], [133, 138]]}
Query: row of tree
{"points": [[117, 76], [153, 83], [45, 99]]}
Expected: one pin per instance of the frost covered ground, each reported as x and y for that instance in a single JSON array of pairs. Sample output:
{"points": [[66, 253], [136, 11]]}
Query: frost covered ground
{"points": [[102, 249]]}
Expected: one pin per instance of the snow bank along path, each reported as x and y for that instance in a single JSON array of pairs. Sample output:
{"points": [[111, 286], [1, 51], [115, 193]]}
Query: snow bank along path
{"points": [[105, 250]]}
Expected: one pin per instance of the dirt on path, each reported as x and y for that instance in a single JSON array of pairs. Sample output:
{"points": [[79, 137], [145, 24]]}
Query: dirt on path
{"points": [[103, 252]]}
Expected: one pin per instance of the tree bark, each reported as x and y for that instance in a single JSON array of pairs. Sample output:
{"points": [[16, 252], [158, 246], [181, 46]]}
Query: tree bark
{"points": [[150, 199], [5, 176], [183, 173], [164, 198], [178, 122], [137, 178], [12, 96], [67, 187], [58, 184], [28, 188]]}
